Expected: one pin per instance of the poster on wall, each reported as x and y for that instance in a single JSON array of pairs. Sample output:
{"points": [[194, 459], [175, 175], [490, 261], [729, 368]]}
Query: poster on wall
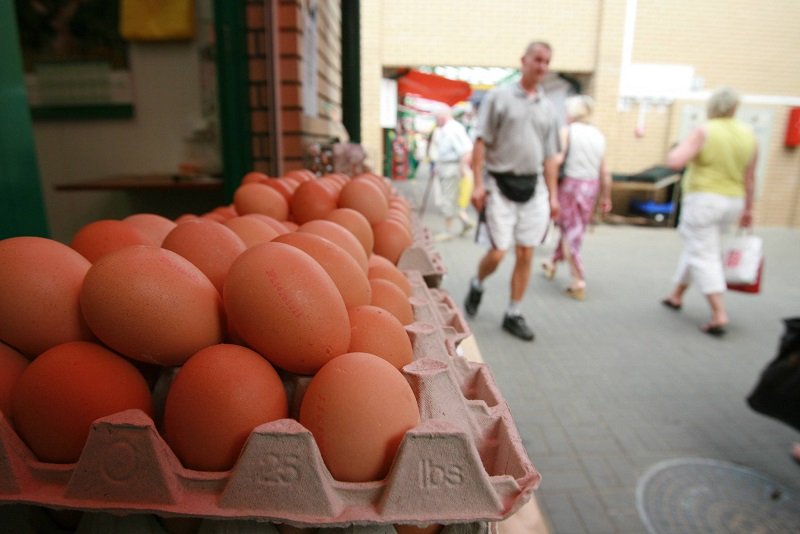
{"points": [[75, 61]]}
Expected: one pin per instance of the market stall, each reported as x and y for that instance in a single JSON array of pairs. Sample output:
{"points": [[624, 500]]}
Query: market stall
{"points": [[459, 466]]}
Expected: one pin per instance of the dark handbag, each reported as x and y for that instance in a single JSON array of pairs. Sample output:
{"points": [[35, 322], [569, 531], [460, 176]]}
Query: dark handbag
{"points": [[516, 187], [562, 168], [777, 392]]}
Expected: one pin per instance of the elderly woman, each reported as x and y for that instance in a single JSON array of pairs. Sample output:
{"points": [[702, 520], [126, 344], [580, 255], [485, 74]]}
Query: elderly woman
{"points": [[720, 158], [585, 175]]}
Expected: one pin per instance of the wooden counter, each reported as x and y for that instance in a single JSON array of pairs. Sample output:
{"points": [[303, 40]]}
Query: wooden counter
{"points": [[137, 182]]}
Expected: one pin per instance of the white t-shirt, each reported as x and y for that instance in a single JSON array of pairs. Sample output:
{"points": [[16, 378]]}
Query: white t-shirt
{"points": [[586, 148], [450, 142]]}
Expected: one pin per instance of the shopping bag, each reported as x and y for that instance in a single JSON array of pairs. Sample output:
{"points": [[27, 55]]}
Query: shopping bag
{"points": [[465, 186], [742, 261], [752, 287], [777, 392]]}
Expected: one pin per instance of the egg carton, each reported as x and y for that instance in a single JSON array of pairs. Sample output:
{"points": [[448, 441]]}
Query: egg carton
{"points": [[436, 306], [422, 255], [463, 464]]}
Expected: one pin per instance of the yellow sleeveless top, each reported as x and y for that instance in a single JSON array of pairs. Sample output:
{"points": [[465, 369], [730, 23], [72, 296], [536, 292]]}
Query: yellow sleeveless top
{"points": [[719, 166]]}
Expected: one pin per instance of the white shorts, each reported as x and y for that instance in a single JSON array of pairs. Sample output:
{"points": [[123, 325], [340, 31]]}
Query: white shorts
{"points": [[704, 218], [516, 223]]}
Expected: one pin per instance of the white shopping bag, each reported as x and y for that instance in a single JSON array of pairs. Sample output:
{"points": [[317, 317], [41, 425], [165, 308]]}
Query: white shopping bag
{"points": [[741, 259]]}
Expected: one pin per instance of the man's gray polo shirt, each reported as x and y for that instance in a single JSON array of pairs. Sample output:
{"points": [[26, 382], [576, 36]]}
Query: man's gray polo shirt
{"points": [[519, 133]]}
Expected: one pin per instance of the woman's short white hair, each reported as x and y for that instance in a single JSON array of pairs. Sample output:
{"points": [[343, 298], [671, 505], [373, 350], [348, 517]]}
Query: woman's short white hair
{"points": [[723, 103], [579, 107]]}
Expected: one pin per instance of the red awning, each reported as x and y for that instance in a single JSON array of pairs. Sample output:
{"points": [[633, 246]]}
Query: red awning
{"points": [[433, 87]]}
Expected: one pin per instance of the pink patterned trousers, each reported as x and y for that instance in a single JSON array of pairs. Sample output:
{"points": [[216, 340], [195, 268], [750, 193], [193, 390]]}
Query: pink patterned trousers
{"points": [[577, 199]]}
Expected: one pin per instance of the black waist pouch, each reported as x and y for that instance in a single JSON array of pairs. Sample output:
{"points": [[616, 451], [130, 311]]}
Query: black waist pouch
{"points": [[516, 187]]}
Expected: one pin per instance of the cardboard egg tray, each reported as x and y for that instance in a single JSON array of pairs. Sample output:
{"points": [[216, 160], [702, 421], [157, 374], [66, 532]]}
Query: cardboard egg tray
{"points": [[435, 306], [463, 465], [422, 255]]}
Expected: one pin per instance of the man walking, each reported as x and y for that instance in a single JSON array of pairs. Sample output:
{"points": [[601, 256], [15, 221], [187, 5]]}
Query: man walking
{"points": [[517, 146], [453, 149]]}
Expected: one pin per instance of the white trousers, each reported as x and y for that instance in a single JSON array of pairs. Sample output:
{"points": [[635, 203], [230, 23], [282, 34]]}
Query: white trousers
{"points": [[705, 217], [449, 175]]}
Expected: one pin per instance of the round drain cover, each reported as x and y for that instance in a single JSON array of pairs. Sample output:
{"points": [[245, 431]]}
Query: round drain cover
{"points": [[690, 495]]}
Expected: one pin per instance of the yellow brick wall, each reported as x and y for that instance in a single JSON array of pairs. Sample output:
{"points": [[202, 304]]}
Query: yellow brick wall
{"points": [[749, 45], [487, 34]]}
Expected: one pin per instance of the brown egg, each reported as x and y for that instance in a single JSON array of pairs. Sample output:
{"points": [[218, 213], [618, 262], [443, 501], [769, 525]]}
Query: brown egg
{"points": [[210, 246], [391, 239], [186, 217], [339, 235], [226, 212], [65, 389], [260, 198], [334, 184], [380, 267], [301, 175], [219, 396], [340, 266], [284, 187], [400, 203], [214, 217], [156, 227], [356, 223], [366, 198], [338, 177], [251, 229], [383, 184], [388, 296], [40, 283], [312, 200], [278, 226], [12, 363], [98, 238], [285, 306], [377, 331], [358, 407], [254, 177], [152, 305], [401, 217], [291, 226]]}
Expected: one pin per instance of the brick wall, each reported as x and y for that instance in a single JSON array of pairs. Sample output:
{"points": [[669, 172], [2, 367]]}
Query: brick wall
{"points": [[295, 127], [259, 84], [748, 45], [301, 129]]}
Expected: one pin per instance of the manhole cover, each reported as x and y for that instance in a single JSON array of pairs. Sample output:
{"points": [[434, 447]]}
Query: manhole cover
{"points": [[697, 495]]}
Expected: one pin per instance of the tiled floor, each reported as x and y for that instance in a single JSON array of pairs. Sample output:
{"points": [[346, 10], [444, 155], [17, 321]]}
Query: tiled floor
{"points": [[617, 383]]}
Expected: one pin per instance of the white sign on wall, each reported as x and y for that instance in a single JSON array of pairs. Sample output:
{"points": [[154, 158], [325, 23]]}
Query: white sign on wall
{"points": [[388, 103], [656, 81]]}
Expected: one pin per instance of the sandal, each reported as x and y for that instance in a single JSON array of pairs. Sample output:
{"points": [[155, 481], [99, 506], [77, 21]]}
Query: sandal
{"points": [[671, 305], [716, 330], [578, 293], [549, 269]]}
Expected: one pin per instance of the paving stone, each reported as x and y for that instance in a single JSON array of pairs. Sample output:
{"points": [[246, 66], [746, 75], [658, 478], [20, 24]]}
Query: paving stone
{"points": [[561, 514], [620, 378], [592, 513]]}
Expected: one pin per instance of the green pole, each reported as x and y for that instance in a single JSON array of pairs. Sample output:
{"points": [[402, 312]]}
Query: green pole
{"points": [[22, 211]]}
